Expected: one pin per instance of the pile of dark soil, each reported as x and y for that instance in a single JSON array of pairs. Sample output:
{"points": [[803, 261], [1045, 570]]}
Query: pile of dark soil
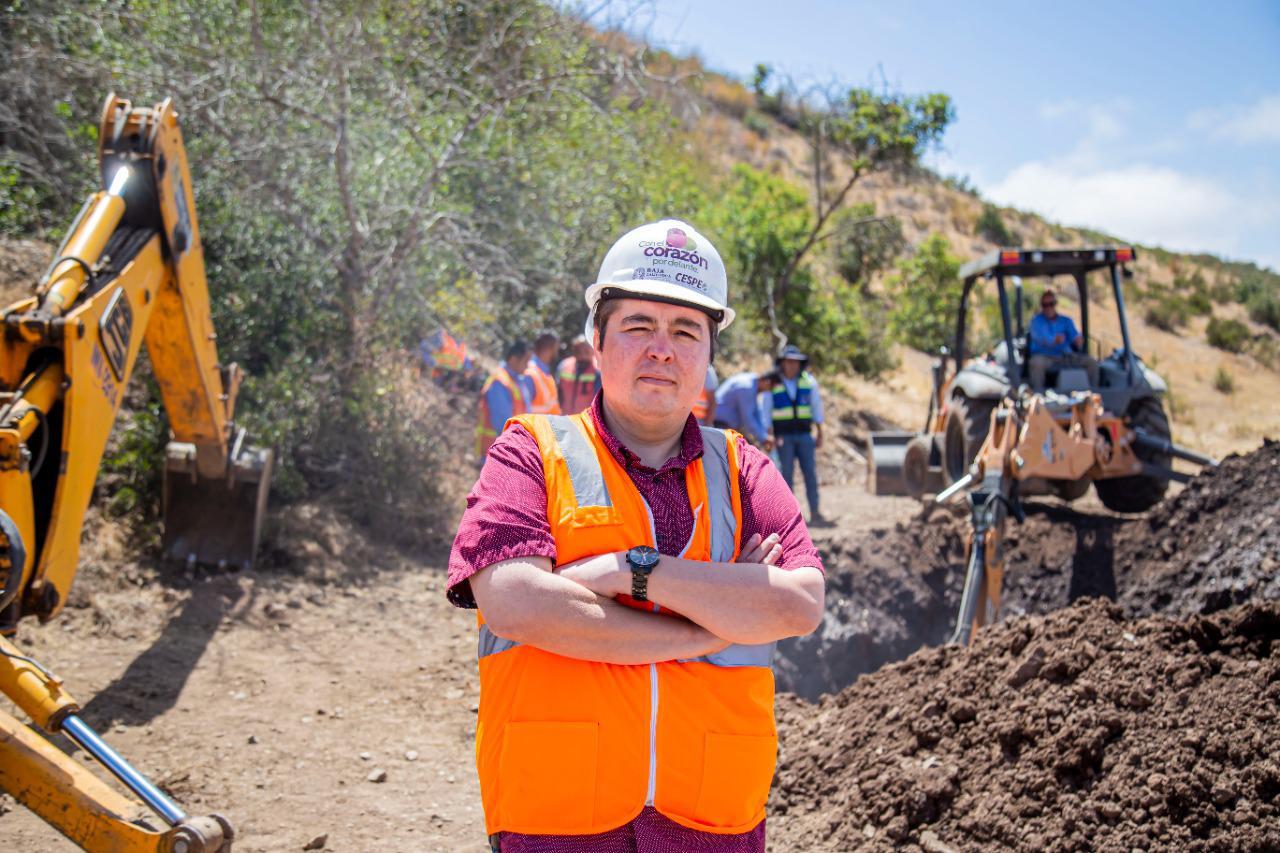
{"points": [[1214, 544], [1077, 730]]}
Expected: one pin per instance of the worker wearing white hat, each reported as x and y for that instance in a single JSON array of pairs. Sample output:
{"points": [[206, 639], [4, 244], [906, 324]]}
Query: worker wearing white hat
{"points": [[642, 564]]}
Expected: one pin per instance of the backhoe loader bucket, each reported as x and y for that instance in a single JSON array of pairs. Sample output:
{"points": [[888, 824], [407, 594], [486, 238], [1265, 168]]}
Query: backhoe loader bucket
{"points": [[215, 520], [885, 474]]}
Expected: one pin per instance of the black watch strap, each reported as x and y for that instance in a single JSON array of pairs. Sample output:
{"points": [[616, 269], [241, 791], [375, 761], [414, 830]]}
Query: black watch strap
{"points": [[639, 584]]}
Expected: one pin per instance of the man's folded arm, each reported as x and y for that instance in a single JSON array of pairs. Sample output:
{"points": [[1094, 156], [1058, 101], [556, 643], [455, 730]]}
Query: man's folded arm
{"points": [[741, 602], [524, 601]]}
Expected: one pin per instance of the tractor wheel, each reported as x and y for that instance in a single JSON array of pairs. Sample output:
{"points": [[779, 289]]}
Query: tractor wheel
{"points": [[967, 423], [1139, 493]]}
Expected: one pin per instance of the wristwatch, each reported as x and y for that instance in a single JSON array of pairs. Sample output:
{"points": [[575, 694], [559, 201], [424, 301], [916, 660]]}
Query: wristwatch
{"points": [[641, 559]]}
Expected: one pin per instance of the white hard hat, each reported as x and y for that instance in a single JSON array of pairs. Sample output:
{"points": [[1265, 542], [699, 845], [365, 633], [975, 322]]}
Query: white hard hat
{"points": [[668, 261]]}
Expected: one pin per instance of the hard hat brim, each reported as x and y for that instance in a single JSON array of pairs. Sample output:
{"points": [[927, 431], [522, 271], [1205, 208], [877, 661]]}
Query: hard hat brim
{"points": [[659, 291]]}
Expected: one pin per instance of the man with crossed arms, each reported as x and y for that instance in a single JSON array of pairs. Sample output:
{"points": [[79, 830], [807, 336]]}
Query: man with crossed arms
{"points": [[632, 572]]}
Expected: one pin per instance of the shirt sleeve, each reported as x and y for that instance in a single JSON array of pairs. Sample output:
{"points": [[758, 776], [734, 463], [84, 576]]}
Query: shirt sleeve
{"points": [[764, 410], [1071, 333], [506, 514], [815, 402], [712, 381], [501, 407], [769, 506]]}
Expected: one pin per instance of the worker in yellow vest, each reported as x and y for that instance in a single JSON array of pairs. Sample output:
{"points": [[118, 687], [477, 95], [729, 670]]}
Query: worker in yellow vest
{"points": [[506, 393], [632, 571], [546, 396]]}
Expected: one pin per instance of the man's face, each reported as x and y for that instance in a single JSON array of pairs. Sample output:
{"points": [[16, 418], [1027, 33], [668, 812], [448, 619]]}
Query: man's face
{"points": [[518, 363], [653, 359], [791, 367], [1049, 306], [582, 351]]}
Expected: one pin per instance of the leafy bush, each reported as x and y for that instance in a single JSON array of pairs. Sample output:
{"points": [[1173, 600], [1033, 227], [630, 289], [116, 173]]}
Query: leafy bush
{"points": [[1223, 381], [756, 122], [1264, 307], [991, 226], [1229, 335], [1168, 311], [925, 292]]}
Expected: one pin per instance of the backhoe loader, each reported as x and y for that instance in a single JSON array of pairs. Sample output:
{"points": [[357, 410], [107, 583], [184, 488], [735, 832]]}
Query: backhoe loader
{"points": [[130, 271], [992, 436]]}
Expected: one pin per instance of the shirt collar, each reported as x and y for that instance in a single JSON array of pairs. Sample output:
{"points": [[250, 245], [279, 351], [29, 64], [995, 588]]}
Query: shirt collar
{"points": [[542, 365], [690, 442]]}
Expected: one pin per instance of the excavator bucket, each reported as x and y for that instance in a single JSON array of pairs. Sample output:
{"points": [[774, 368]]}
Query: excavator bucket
{"points": [[888, 452], [215, 520]]}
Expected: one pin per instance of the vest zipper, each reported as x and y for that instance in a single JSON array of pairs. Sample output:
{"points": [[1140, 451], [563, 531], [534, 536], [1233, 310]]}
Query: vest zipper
{"points": [[651, 790], [653, 735], [652, 787]]}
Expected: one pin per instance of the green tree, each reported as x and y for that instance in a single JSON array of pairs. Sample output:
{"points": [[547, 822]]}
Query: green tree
{"points": [[925, 292], [857, 133]]}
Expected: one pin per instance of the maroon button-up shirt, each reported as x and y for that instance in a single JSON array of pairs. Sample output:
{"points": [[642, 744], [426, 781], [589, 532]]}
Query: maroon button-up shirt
{"points": [[506, 518]]}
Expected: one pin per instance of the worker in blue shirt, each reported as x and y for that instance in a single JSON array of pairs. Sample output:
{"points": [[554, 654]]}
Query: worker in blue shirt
{"points": [[738, 405], [1056, 343]]}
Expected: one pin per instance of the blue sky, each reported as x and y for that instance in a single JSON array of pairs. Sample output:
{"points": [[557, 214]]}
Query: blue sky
{"points": [[1158, 122]]}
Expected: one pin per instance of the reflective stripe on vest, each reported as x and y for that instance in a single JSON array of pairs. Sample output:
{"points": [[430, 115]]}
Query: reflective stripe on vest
{"points": [[565, 746]]}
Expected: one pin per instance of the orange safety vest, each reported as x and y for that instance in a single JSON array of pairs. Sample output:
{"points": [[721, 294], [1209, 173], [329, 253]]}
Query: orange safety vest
{"points": [[576, 389], [702, 405], [486, 435], [573, 747], [546, 397]]}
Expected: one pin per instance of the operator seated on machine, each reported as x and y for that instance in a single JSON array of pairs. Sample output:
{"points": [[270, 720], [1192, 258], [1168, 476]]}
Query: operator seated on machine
{"points": [[1055, 344]]}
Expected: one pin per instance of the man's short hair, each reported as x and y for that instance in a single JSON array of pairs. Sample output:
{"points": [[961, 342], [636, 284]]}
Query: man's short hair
{"points": [[605, 309], [545, 340], [516, 349]]}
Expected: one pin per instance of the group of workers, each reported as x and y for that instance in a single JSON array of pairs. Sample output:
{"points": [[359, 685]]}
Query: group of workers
{"points": [[526, 383], [779, 411]]}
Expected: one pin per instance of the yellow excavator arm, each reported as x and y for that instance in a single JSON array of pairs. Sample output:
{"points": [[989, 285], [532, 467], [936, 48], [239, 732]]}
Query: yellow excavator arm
{"points": [[130, 271]]}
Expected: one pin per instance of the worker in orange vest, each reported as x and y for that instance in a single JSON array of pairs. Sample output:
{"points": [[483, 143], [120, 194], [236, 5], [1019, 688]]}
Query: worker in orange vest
{"points": [[506, 393], [579, 377], [704, 408], [546, 396], [632, 571]]}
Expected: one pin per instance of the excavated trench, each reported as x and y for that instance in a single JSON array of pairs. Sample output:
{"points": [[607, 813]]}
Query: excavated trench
{"points": [[890, 592]]}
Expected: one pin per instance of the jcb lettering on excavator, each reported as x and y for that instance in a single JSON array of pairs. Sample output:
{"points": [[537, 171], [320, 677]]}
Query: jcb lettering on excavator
{"points": [[106, 381], [116, 331]]}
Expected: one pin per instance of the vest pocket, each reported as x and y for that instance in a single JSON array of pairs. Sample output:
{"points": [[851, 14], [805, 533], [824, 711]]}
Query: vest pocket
{"points": [[547, 777], [737, 771]]}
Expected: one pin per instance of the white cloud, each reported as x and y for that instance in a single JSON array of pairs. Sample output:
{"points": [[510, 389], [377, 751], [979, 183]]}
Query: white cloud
{"points": [[1148, 204], [1256, 123]]}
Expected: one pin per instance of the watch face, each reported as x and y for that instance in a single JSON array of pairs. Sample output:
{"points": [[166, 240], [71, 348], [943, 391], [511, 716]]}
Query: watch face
{"points": [[643, 557]]}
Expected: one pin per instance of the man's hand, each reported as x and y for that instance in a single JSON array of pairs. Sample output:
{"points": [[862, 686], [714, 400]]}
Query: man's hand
{"points": [[817, 441], [765, 550], [608, 575], [1057, 339]]}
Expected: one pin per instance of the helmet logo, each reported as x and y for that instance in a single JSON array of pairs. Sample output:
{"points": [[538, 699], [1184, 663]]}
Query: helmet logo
{"points": [[677, 239]]}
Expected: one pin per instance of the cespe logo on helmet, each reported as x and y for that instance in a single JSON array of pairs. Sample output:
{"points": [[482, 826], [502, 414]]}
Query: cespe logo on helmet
{"points": [[679, 247]]}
